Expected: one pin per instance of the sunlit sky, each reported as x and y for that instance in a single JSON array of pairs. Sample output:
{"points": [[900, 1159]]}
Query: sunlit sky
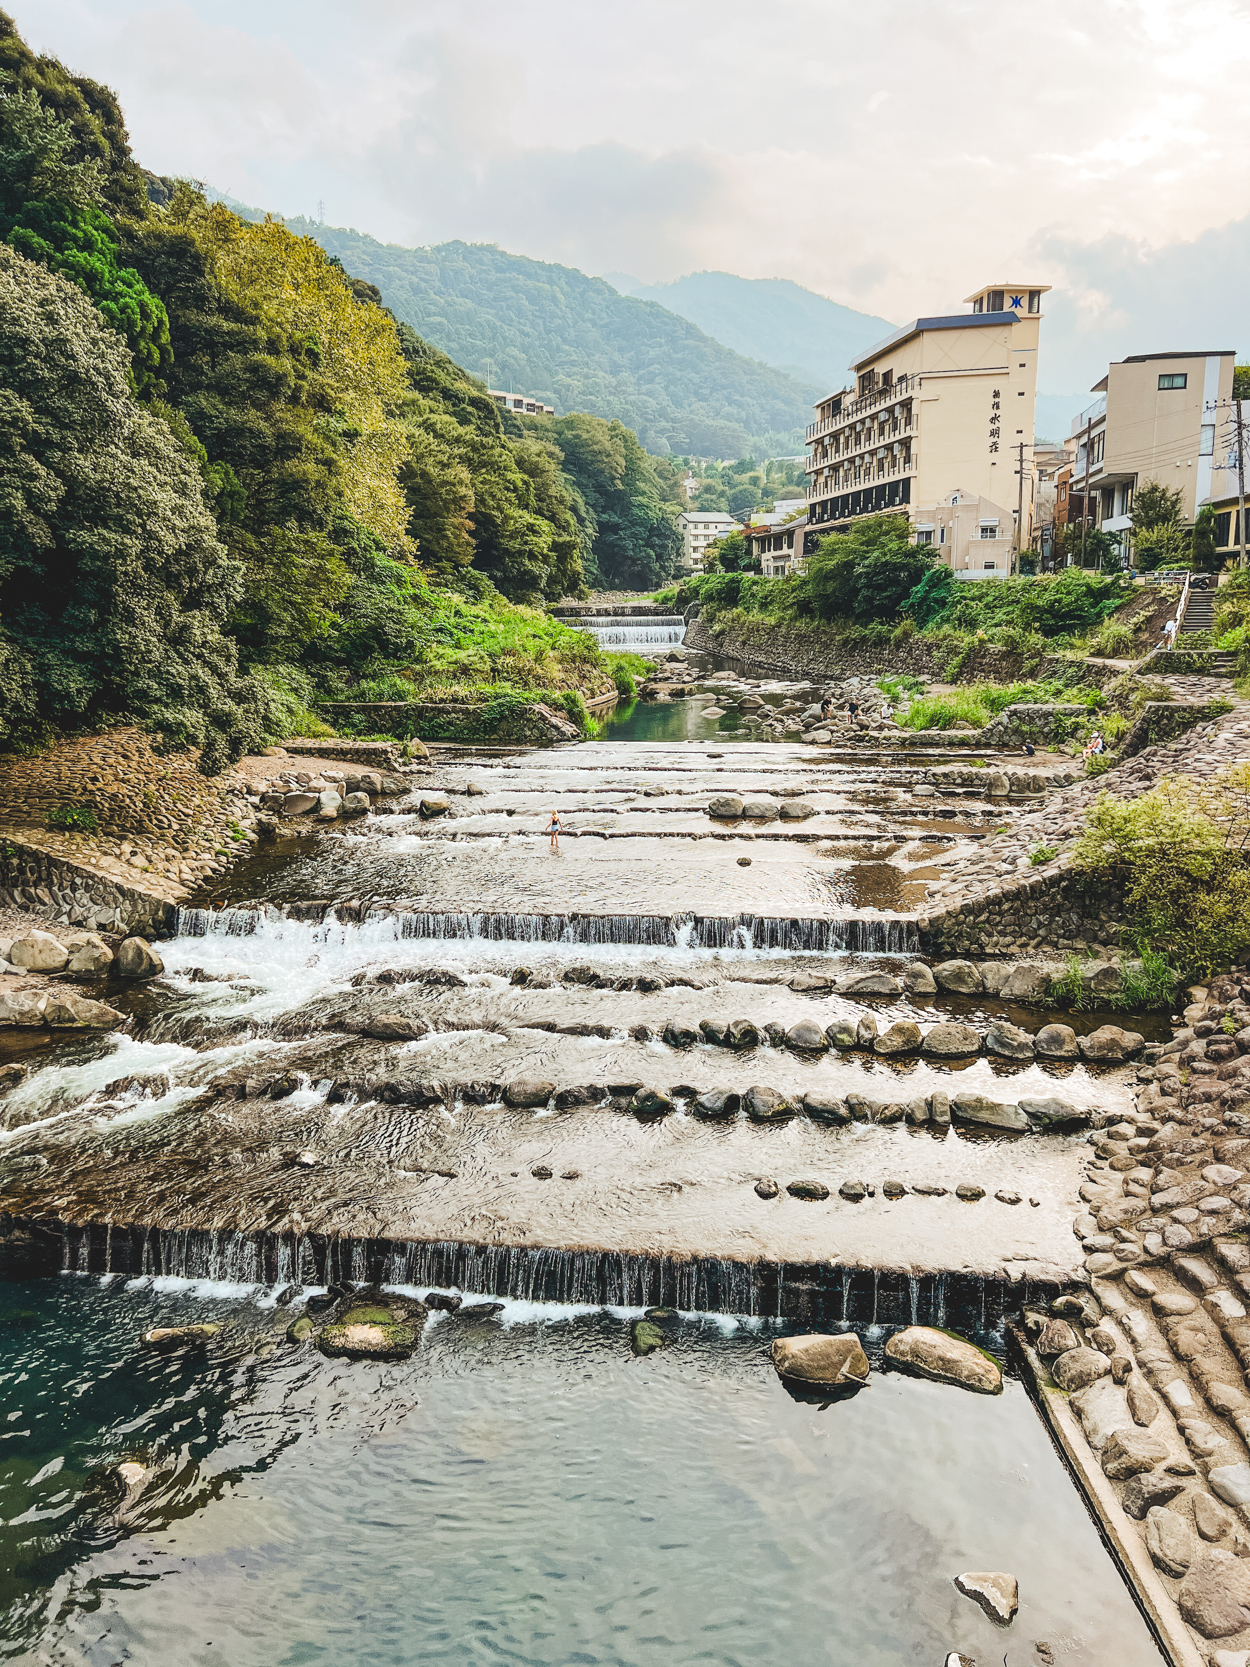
{"points": [[893, 156]]}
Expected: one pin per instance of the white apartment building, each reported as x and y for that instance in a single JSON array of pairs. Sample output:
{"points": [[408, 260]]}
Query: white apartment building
{"points": [[943, 405], [971, 534], [1158, 416], [523, 404], [780, 544], [699, 528]]}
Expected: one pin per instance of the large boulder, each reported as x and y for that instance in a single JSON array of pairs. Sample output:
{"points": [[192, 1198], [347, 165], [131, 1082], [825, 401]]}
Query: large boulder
{"points": [[1109, 1045], [678, 1035], [1056, 1041], [823, 1362], [299, 804], [1047, 1111], [1027, 981], [1078, 1368], [65, 1010], [717, 1104], [951, 1041], [741, 1034], [918, 980], [39, 952], [528, 1092], [870, 984], [649, 1105], [1214, 1597], [902, 1037], [137, 959], [997, 1594], [89, 956], [990, 1114], [807, 1037], [960, 976], [766, 1105], [1131, 1451], [933, 1354], [1008, 1041], [761, 810], [824, 1107], [726, 807], [797, 810]]}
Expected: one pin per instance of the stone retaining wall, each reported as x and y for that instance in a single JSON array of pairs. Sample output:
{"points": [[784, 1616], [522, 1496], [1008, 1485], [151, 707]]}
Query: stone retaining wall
{"points": [[378, 755], [1021, 723], [823, 657], [1060, 908], [71, 894], [1165, 720], [508, 718]]}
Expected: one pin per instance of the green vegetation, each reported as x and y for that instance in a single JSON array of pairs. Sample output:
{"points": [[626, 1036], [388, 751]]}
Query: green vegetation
{"points": [[575, 343], [73, 818], [744, 484], [1180, 853], [232, 487], [1148, 981], [1042, 854]]}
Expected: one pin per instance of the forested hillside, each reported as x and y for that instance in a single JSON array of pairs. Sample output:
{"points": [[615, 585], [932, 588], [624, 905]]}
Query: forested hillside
{"points": [[804, 334], [580, 346], [231, 484]]}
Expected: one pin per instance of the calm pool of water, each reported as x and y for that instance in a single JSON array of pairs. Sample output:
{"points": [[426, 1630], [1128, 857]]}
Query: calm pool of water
{"points": [[522, 1491]]}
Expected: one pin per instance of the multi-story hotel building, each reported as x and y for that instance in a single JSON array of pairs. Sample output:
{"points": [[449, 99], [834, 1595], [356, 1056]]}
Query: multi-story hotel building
{"points": [[943, 404]]}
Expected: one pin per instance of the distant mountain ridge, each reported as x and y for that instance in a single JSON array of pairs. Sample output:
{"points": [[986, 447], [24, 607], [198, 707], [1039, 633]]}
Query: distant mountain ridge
{"points": [[774, 320], [577, 343]]}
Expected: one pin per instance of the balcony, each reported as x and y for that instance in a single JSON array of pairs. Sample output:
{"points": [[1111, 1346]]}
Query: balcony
{"points": [[905, 388], [865, 473]]}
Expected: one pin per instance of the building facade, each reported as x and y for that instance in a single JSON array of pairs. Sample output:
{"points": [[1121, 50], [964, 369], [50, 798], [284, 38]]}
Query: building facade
{"points": [[971, 534], [699, 528], [943, 405], [1158, 417], [781, 548], [522, 404]]}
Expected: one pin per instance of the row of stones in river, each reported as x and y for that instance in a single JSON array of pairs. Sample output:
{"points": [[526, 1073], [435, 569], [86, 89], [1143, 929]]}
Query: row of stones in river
{"points": [[758, 1102], [1155, 1354]]}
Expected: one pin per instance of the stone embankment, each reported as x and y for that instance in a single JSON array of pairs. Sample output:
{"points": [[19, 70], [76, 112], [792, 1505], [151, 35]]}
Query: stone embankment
{"points": [[821, 654], [150, 828], [1143, 1374], [1013, 896]]}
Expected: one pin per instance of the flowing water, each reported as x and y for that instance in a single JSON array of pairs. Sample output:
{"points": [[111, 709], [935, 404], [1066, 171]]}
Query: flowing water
{"points": [[321, 1088], [522, 1490], [641, 633]]}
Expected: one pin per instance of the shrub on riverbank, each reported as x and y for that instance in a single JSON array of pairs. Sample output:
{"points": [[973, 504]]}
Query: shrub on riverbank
{"points": [[1181, 850]]}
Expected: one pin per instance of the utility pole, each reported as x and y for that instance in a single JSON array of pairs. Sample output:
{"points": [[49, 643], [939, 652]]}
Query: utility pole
{"points": [[1089, 429], [1015, 566], [1241, 484]]}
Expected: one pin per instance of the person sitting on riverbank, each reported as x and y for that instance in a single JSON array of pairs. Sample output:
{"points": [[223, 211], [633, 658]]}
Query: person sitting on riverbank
{"points": [[1094, 746], [555, 828]]}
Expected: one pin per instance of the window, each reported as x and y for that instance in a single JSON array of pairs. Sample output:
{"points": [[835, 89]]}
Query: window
{"points": [[994, 301], [942, 535], [988, 529], [1174, 379], [1035, 300], [990, 566], [1206, 446], [924, 538]]}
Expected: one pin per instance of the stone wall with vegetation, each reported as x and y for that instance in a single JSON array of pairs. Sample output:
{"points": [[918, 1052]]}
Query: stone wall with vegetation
{"points": [[1161, 721], [1057, 908], [821, 652]]}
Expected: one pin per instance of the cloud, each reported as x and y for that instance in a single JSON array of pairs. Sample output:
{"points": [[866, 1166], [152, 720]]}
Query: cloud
{"points": [[892, 157]]}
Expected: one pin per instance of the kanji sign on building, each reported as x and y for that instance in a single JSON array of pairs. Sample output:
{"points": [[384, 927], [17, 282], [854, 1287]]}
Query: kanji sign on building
{"points": [[996, 419]]}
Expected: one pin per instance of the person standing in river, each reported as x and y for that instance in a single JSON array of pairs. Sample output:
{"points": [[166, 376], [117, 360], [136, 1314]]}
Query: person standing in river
{"points": [[554, 828]]}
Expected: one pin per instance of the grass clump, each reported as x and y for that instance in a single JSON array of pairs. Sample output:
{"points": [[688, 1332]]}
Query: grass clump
{"points": [[944, 711], [1147, 981]]}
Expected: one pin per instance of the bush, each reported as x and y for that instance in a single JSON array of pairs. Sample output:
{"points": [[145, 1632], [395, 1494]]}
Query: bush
{"points": [[1112, 641], [941, 711], [1180, 851], [73, 818]]}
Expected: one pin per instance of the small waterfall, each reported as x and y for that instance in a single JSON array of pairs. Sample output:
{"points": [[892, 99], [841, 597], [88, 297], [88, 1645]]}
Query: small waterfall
{"points": [[815, 1292], [878, 935], [632, 631]]}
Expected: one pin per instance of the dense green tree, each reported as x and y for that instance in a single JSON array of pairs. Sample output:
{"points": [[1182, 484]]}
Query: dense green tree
{"points": [[92, 114], [869, 572], [113, 585], [1156, 505], [49, 211], [1202, 542], [631, 507]]}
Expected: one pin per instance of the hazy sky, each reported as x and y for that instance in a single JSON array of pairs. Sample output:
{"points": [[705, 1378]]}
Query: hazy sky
{"points": [[892, 155]]}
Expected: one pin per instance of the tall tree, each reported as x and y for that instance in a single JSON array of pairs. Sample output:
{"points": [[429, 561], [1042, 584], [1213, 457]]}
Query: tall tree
{"points": [[113, 585]]}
